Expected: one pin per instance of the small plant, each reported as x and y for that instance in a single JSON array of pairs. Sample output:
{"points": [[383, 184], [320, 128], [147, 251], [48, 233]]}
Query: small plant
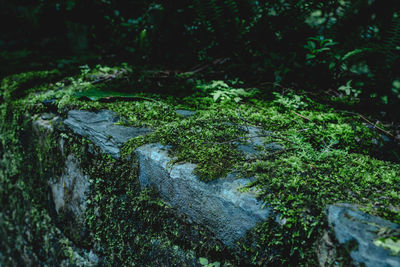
{"points": [[290, 101], [318, 45], [349, 90], [221, 91], [204, 262], [391, 243]]}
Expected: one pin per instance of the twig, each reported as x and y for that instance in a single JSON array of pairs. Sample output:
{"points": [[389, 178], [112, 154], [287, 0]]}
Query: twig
{"points": [[303, 130], [365, 119], [269, 155], [301, 116], [236, 139]]}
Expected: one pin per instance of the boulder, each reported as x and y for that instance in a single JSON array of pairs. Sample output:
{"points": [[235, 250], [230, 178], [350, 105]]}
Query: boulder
{"points": [[220, 206], [358, 232], [100, 128]]}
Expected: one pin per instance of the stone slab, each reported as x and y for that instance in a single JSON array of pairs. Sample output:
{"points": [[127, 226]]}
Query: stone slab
{"points": [[100, 128], [220, 205], [357, 231]]}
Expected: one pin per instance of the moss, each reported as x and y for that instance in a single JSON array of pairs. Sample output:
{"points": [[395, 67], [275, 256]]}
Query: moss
{"points": [[17, 85], [134, 225], [207, 134], [300, 184], [29, 234], [326, 160]]}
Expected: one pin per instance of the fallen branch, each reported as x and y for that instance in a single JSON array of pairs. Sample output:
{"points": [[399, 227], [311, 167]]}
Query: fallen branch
{"points": [[301, 116], [269, 155], [369, 122], [236, 139]]}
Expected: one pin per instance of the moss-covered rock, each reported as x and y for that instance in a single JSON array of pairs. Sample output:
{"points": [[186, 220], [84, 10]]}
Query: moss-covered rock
{"points": [[18, 85], [324, 156]]}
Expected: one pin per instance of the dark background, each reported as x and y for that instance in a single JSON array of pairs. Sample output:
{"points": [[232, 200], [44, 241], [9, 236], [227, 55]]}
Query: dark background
{"points": [[306, 45]]}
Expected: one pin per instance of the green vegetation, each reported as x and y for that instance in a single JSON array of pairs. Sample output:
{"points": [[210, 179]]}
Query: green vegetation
{"points": [[326, 69], [16, 86], [313, 45], [326, 159], [300, 184]]}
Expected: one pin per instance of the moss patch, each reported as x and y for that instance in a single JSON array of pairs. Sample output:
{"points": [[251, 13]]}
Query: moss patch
{"points": [[326, 159], [18, 85], [134, 225]]}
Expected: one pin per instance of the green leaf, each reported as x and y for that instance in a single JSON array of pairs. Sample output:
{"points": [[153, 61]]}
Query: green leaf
{"points": [[323, 49], [311, 44], [142, 38], [217, 94], [355, 52], [310, 56], [237, 99], [203, 261], [331, 44]]}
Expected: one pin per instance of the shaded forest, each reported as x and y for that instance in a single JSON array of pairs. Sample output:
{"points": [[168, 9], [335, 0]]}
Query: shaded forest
{"points": [[289, 108], [332, 48]]}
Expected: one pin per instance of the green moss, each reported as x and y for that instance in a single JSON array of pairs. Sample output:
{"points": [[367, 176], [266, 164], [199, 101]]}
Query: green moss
{"points": [[326, 160], [301, 183], [208, 134], [134, 225], [17, 85], [28, 159]]}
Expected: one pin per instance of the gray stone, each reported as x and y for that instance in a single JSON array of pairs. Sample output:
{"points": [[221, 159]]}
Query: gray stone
{"points": [[220, 206], [69, 190], [357, 231], [185, 113], [47, 116], [44, 124], [100, 128], [256, 141]]}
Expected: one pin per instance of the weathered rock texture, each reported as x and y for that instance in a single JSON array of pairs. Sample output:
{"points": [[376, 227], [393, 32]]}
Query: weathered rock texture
{"points": [[100, 128], [185, 113], [69, 190], [220, 205], [256, 142], [69, 194], [357, 231]]}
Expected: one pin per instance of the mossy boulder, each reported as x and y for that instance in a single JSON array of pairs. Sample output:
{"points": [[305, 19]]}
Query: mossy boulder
{"points": [[303, 157], [17, 85]]}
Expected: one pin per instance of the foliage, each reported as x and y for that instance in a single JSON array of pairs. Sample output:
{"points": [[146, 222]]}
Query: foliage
{"points": [[325, 160], [221, 91], [299, 185], [17, 85], [389, 243], [310, 43]]}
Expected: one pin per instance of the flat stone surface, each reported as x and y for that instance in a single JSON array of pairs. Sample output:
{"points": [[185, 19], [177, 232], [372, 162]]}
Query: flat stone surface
{"points": [[69, 190], [358, 230], [256, 141], [100, 128], [185, 113], [45, 122], [219, 205], [69, 195]]}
